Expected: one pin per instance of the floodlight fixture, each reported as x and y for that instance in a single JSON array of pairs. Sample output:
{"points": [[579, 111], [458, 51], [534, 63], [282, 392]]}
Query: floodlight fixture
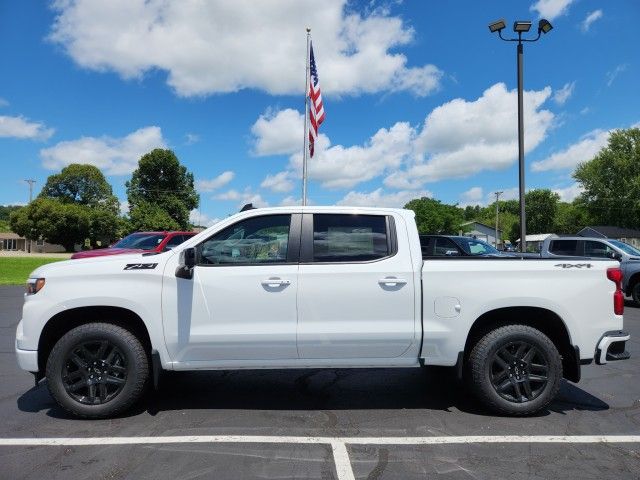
{"points": [[544, 26], [497, 25], [521, 26]]}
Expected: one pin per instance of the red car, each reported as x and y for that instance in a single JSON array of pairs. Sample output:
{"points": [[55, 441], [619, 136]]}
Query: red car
{"points": [[139, 242]]}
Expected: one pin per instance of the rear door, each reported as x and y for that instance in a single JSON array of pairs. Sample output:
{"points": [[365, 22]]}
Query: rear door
{"points": [[356, 289]]}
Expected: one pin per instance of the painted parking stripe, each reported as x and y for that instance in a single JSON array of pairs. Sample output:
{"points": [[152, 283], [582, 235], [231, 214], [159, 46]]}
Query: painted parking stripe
{"points": [[91, 441], [338, 445]]}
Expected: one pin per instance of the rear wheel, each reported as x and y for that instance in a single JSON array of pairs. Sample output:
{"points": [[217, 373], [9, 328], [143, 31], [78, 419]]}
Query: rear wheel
{"points": [[97, 370], [515, 370]]}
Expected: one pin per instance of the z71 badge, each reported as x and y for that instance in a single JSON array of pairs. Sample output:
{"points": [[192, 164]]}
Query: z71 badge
{"points": [[574, 265], [140, 266]]}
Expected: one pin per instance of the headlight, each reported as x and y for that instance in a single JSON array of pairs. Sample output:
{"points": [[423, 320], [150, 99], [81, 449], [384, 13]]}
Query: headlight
{"points": [[34, 285]]}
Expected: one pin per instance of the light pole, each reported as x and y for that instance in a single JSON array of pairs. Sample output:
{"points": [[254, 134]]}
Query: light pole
{"points": [[497, 194], [30, 181], [520, 27]]}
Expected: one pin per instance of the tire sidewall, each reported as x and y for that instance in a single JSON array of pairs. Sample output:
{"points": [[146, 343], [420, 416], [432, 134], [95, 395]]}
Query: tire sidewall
{"points": [[635, 293], [61, 350], [546, 349]]}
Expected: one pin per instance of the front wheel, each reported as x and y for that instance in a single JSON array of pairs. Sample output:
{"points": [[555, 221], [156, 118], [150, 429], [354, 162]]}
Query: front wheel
{"points": [[97, 370], [515, 370]]}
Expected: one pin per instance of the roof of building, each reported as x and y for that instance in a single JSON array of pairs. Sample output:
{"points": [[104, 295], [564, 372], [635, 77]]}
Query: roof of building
{"points": [[608, 231], [474, 222], [10, 236]]}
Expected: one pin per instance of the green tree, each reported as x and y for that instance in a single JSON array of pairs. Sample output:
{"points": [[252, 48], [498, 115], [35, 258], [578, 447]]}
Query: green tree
{"points": [[541, 206], [611, 181], [571, 217], [161, 193], [435, 217], [83, 185], [64, 223]]}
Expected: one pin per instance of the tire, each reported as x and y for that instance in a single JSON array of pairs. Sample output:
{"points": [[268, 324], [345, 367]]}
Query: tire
{"points": [[515, 370], [635, 294], [97, 370]]}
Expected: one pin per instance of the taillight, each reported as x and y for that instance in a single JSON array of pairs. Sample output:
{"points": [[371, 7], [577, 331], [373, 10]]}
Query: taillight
{"points": [[615, 275]]}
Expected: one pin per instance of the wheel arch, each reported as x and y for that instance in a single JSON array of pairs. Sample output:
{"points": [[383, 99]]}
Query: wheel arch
{"points": [[633, 279], [547, 321], [64, 321]]}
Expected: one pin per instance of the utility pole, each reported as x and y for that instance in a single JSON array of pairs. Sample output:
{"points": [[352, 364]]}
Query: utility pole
{"points": [[497, 194], [30, 181]]}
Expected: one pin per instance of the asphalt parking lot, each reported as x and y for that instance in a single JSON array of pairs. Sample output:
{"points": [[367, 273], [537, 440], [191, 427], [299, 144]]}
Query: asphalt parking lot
{"points": [[326, 424]]}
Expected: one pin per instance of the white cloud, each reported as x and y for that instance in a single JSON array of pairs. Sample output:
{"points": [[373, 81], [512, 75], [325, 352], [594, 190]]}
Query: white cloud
{"points": [[562, 95], [124, 207], [220, 46], [196, 217], [191, 138], [379, 198], [20, 127], [473, 195], [242, 198], [291, 201], [279, 182], [114, 156], [462, 138], [458, 139], [278, 132], [583, 150], [215, 183], [551, 9], [592, 17], [613, 74], [569, 194]]}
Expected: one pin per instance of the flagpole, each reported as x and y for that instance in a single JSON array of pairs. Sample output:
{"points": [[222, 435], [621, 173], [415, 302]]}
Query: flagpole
{"points": [[305, 148]]}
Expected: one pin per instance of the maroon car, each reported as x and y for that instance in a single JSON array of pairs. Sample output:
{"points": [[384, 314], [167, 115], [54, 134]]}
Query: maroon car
{"points": [[140, 242]]}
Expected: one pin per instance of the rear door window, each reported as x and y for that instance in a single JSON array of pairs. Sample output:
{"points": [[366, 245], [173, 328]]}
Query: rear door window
{"points": [[349, 238], [564, 247], [445, 247]]}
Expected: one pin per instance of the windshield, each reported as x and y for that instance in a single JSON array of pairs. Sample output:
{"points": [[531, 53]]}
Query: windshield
{"points": [[476, 247], [625, 247], [143, 241]]}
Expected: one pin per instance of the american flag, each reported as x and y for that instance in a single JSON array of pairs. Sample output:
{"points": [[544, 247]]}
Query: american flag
{"points": [[316, 110]]}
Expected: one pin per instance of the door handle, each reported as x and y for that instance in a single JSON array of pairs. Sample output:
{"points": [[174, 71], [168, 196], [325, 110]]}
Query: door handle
{"points": [[275, 282], [392, 282]]}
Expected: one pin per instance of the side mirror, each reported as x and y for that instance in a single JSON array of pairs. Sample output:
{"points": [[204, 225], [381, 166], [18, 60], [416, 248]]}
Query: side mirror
{"points": [[188, 257], [186, 263], [616, 256]]}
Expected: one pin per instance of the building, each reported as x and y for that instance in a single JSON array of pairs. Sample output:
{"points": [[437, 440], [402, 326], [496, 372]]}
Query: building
{"points": [[534, 242], [13, 242], [481, 232], [626, 235]]}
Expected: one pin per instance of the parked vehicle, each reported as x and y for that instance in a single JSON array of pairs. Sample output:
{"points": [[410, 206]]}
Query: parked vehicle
{"points": [[627, 255], [452, 245], [317, 287], [139, 242]]}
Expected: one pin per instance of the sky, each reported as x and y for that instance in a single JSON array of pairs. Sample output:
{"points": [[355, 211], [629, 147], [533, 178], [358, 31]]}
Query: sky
{"points": [[420, 98]]}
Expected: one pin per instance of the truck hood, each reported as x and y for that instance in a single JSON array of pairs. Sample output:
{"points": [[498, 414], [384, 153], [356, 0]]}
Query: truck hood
{"points": [[95, 265], [102, 252]]}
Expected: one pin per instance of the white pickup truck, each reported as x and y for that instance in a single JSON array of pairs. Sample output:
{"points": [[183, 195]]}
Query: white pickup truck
{"points": [[317, 287]]}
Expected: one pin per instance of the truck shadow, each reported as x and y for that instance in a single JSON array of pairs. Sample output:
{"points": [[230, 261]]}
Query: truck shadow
{"points": [[335, 389]]}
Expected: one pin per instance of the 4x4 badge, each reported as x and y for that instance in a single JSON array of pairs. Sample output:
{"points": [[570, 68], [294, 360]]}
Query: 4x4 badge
{"points": [[140, 266], [573, 265]]}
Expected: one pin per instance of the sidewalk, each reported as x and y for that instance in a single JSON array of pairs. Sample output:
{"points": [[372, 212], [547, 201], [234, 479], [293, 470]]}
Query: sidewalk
{"points": [[11, 253]]}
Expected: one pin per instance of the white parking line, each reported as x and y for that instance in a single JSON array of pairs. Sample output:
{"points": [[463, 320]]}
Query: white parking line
{"points": [[91, 441], [338, 444]]}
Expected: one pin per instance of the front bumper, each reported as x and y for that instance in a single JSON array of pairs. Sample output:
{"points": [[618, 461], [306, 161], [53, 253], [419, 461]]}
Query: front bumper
{"points": [[27, 359], [612, 347]]}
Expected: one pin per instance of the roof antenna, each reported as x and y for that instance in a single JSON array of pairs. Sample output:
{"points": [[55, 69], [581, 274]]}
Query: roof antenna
{"points": [[248, 206]]}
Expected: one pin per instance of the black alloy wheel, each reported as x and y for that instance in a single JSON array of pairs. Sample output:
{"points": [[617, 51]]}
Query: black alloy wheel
{"points": [[519, 372], [94, 372]]}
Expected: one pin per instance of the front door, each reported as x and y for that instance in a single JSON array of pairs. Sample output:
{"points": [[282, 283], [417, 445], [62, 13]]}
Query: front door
{"points": [[356, 296], [241, 302]]}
